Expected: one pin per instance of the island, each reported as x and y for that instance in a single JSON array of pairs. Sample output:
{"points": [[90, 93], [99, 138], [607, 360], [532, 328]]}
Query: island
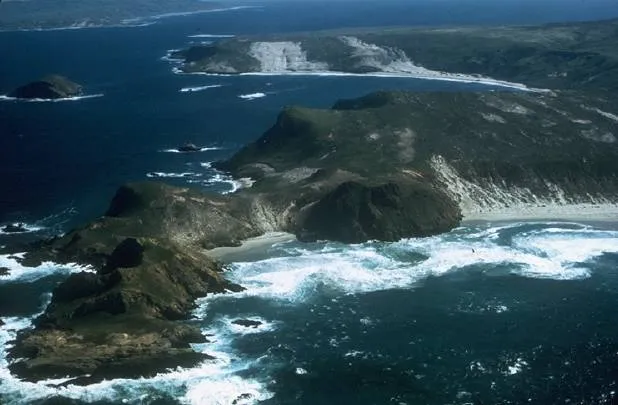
{"points": [[50, 87], [189, 147], [386, 166], [14, 228]]}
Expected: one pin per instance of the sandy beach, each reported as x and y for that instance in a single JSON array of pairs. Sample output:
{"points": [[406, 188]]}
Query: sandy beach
{"points": [[524, 212], [250, 249]]}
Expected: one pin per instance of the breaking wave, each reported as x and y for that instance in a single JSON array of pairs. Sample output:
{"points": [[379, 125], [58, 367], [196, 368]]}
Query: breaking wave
{"points": [[213, 382], [252, 96], [211, 36], [50, 100], [298, 272], [231, 185], [173, 175], [199, 88], [201, 149], [18, 273], [24, 228]]}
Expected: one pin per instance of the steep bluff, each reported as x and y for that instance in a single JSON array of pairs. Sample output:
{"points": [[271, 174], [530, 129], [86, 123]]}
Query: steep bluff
{"points": [[479, 148]]}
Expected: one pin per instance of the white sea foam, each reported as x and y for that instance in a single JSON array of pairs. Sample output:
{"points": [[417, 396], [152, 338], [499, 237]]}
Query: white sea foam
{"points": [[199, 88], [540, 250], [211, 36], [49, 100], [28, 228], [214, 382], [516, 366], [169, 58], [20, 273], [252, 96], [173, 175], [202, 149], [373, 266], [221, 178], [225, 330]]}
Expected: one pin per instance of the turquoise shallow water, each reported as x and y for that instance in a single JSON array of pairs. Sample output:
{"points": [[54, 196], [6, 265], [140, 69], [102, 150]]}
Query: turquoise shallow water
{"points": [[507, 313]]}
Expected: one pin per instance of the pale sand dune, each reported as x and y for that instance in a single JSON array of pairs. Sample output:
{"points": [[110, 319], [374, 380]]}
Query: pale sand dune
{"points": [[572, 212], [251, 249]]}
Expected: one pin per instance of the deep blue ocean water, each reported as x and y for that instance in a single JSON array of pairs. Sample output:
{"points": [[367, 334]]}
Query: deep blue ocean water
{"points": [[494, 314]]}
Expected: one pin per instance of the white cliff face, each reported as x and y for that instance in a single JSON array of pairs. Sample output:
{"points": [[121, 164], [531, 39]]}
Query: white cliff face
{"points": [[284, 57], [393, 61], [494, 199], [383, 59], [287, 57]]}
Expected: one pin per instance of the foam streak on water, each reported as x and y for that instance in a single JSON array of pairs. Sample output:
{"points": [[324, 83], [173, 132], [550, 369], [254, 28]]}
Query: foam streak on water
{"points": [[214, 382], [199, 88], [19, 273], [201, 149], [49, 100], [252, 96]]}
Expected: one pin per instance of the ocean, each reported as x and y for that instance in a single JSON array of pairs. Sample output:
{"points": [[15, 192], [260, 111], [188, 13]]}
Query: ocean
{"points": [[490, 313]]}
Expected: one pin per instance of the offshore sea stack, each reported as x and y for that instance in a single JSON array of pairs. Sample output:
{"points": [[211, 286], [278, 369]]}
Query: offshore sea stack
{"points": [[49, 88]]}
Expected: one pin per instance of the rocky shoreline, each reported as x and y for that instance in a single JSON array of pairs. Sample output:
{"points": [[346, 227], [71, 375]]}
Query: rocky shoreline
{"points": [[554, 56], [386, 166]]}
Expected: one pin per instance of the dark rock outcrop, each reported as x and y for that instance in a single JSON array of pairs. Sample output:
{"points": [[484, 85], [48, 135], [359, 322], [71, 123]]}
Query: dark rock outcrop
{"points": [[122, 322], [189, 147], [354, 213], [4, 271], [247, 323], [14, 228], [49, 87], [129, 253]]}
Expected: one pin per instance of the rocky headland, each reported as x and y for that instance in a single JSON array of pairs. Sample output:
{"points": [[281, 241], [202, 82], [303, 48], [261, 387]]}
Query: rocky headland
{"points": [[50, 87], [386, 166], [567, 55]]}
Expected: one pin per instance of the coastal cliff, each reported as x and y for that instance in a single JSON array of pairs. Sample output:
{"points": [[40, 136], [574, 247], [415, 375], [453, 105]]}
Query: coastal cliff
{"points": [[566, 56]]}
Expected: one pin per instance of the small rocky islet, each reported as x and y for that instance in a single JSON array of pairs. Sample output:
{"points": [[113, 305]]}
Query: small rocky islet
{"points": [[386, 166], [51, 87]]}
